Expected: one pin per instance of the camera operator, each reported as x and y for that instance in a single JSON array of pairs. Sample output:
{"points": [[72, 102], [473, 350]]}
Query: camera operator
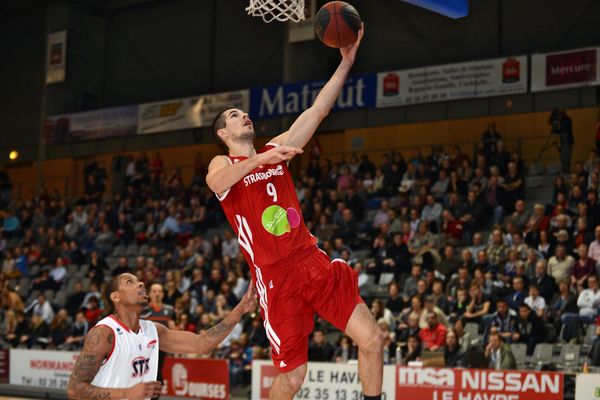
{"points": [[562, 126]]}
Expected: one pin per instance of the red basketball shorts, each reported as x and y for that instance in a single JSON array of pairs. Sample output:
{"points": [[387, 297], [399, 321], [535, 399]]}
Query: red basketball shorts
{"points": [[290, 295]]}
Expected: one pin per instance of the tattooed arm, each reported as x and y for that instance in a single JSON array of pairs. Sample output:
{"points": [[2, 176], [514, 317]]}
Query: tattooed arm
{"points": [[206, 341], [96, 347]]}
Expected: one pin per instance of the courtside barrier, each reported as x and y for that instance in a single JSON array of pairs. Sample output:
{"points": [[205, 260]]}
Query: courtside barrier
{"points": [[329, 381], [44, 371]]}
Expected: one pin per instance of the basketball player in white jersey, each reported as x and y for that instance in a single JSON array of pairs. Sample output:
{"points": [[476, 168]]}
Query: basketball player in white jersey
{"points": [[119, 359]]}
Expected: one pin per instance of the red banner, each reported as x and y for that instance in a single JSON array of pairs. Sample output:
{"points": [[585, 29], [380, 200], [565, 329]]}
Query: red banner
{"points": [[4, 365], [268, 373], [477, 384], [569, 68], [197, 378]]}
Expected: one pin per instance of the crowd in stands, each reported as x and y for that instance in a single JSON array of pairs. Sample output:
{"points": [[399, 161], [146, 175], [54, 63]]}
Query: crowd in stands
{"points": [[450, 236]]}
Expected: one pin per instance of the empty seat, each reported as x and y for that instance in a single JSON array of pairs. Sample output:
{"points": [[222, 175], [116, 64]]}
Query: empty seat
{"points": [[533, 182], [385, 279], [33, 295], [119, 251], [49, 294], [536, 169], [112, 262], [24, 291], [590, 335], [569, 357], [542, 355], [361, 254], [519, 350], [60, 299], [144, 250], [34, 271], [24, 281], [132, 250], [472, 329], [83, 270], [131, 262], [70, 285], [86, 284], [553, 169], [72, 270]]}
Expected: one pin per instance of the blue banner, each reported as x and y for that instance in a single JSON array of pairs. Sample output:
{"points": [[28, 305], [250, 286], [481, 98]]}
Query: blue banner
{"points": [[450, 8], [359, 91]]}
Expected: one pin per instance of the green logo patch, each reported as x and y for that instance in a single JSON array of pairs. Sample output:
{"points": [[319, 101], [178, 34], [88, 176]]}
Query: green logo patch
{"points": [[275, 221]]}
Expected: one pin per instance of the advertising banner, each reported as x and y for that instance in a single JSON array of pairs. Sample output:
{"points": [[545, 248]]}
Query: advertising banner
{"points": [[196, 378], [324, 381], [587, 387], [89, 125], [41, 368], [566, 69], [56, 57], [477, 384], [485, 78], [188, 113], [293, 98]]}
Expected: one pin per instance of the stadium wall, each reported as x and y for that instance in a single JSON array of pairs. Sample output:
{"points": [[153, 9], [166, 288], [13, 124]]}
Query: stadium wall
{"points": [[123, 52], [526, 133]]}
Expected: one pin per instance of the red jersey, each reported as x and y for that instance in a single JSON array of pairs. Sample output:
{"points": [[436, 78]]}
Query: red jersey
{"points": [[264, 212]]}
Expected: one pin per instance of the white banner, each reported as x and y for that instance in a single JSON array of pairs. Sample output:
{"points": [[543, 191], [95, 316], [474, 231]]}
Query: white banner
{"points": [[324, 381], [191, 112], [56, 57], [485, 78], [91, 125], [587, 387], [41, 368], [565, 69], [304, 30]]}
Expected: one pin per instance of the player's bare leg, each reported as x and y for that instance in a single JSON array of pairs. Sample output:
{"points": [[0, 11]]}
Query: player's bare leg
{"points": [[363, 329], [287, 385]]}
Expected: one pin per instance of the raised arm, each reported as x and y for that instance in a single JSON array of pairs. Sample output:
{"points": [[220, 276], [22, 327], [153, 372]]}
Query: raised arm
{"points": [[96, 348], [206, 341], [306, 124]]}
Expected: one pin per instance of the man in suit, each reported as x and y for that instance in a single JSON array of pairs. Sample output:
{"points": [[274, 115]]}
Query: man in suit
{"points": [[499, 354], [545, 283]]}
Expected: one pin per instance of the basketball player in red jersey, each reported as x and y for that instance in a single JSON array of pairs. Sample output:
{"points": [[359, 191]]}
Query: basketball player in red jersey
{"points": [[293, 277]]}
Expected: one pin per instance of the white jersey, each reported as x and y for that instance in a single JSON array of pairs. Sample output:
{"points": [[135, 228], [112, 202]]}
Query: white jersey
{"points": [[134, 357]]}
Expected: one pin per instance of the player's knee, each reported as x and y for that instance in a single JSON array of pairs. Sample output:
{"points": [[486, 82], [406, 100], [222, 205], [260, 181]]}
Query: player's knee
{"points": [[374, 342], [295, 379]]}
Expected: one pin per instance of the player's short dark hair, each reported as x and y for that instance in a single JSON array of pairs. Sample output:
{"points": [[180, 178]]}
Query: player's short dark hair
{"points": [[111, 287], [219, 123]]}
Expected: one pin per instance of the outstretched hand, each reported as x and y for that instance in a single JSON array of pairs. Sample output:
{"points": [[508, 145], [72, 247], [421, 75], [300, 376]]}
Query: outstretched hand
{"points": [[248, 302], [349, 52], [144, 390], [279, 154]]}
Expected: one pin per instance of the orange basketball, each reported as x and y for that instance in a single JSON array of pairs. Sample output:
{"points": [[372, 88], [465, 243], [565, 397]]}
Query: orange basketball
{"points": [[337, 24]]}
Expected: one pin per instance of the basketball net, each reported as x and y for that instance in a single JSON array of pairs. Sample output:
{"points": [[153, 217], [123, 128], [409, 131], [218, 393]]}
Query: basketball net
{"points": [[277, 10]]}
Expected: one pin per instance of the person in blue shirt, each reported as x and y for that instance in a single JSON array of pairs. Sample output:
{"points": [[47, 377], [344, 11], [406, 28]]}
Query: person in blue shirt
{"points": [[517, 297]]}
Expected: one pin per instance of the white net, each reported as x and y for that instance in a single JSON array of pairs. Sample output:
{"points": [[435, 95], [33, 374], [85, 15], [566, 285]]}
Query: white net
{"points": [[277, 10]]}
